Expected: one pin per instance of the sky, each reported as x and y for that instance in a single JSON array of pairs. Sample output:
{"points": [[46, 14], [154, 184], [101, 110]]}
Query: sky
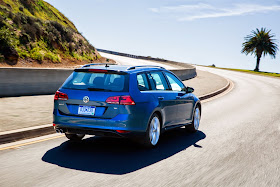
{"points": [[203, 32]]}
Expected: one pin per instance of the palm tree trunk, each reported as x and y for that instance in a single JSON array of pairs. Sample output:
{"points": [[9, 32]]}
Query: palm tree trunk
{"points": [[258, 63]]}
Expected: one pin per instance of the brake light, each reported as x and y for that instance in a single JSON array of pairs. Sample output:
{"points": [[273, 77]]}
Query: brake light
{"points": [[120, 100], [60, 96], [126, 100], [122, 131], [113, 100], [98, 70]]}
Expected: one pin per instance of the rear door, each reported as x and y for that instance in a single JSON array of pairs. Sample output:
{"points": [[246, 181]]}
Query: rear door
{"points": [[184, 101], [161, 92]]}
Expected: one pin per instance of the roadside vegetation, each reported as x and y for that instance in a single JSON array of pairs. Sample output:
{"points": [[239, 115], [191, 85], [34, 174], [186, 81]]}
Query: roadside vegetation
{"points": [[33, 29], [260, 43]]}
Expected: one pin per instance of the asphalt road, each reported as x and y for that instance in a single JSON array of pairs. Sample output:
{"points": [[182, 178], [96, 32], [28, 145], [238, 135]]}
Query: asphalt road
{"points": [[237, 145]]}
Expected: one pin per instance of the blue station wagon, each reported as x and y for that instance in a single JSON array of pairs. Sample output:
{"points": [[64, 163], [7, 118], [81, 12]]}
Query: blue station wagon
{"points": [[137, 102]]}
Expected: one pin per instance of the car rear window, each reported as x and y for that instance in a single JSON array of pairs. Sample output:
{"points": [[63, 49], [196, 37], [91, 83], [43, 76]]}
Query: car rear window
{"points": [[97, 81]]}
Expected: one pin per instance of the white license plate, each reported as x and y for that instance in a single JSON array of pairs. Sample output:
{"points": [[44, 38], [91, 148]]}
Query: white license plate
{"points": [[86, 110]]}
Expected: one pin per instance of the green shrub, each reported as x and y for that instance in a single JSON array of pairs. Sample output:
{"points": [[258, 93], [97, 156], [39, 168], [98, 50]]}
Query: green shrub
{"points": [[7, 38], [28, 5], [37, 55], [23, 54], [17, 19], [11, 15], [2, 24], [24, 39], [53, 57], [31, 20], [30, 30], [23, 18], [2, 58]]}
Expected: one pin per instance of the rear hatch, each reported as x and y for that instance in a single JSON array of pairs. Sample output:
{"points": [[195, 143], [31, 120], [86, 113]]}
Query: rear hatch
{"points": [[93, 93]]}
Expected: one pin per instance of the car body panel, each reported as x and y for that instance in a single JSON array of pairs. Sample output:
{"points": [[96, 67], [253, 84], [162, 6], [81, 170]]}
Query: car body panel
{"points": [[175, 107]]}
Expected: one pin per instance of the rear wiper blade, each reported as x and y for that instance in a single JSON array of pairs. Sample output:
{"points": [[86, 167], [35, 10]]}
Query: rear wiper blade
{"points": [[98, 89]]}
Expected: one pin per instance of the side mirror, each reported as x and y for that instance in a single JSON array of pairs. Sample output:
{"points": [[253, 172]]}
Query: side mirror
{"points": [[189, 90]]}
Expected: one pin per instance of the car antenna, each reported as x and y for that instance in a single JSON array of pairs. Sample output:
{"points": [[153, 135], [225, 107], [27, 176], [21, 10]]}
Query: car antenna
{"points": [[107, 66]]}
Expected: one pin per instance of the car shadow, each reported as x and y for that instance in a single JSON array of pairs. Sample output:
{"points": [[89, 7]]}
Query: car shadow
{"points": [[119, 156]]}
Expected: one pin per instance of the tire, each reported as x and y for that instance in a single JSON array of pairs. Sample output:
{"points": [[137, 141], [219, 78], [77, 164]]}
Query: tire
{"points": [[153, 131], [193, 127], [74, 137]]}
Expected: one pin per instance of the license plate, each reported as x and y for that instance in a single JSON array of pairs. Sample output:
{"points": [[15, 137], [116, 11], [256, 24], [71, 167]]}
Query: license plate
{"points": [[86, 110]]}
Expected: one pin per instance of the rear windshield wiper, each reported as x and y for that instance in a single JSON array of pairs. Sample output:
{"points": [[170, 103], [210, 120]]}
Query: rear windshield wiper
{"points": [[98, 89]]}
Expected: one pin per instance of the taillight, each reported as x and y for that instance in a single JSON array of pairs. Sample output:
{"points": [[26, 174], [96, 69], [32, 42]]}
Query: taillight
{"points": [[113, 100], [126, 100], [60, 96], [122, 131], [120, 100]]}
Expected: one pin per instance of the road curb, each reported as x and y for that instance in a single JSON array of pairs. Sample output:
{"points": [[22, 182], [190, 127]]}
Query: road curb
{"points": [[25, 133], [215, 93], [33, 132]]}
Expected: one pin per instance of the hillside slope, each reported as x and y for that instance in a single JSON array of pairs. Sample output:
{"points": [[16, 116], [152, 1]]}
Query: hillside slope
{"points": [[34, 30]]}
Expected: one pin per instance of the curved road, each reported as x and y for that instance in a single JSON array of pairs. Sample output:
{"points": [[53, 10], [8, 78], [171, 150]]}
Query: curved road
{"points": [[237, 145]]}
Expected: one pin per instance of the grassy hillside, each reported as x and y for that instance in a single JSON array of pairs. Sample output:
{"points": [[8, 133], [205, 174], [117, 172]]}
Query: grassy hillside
{"points": [[33, 29]]}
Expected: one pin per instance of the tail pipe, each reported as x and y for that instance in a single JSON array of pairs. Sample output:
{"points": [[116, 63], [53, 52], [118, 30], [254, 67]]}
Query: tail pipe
{"points": [[59, 130]]}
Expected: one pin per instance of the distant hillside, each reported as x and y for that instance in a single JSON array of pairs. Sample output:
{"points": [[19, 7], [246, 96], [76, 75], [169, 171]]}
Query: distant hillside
{"points": [[35, 30]]}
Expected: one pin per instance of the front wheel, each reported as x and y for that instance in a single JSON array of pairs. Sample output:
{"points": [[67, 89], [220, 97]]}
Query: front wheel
{"points": [[193, 127], [74, 137], [153, 131]]}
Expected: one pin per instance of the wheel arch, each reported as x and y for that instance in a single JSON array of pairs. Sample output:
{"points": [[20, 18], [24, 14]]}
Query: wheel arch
{"points": [[160, 115]]}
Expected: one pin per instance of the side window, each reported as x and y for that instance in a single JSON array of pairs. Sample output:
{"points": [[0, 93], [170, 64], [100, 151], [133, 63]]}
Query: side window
{"points": [[142, 82], [176, 84], [158, 81]]}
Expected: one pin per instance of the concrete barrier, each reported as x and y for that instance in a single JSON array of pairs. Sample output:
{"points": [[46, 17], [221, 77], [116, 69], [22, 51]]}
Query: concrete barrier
{"points": [[31, 81], [163, 61], [185, 74]]}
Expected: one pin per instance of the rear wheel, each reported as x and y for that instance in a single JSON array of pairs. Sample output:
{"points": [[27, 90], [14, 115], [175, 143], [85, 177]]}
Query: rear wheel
{"points": [[74, 137], [153, 131], [193, 127]]}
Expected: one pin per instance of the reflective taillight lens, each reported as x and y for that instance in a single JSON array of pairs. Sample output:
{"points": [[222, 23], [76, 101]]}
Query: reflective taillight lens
{"points": [[113, 100], [126, 100], [60, 96], [120, 100], [122, 131]]}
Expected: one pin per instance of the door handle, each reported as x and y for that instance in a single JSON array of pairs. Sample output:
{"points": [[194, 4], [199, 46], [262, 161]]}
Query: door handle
{"points": [[178, 97], [160, 98]]}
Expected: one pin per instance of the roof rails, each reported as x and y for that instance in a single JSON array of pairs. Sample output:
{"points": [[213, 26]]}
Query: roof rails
{"points": [[96, 64], [147, 66]]}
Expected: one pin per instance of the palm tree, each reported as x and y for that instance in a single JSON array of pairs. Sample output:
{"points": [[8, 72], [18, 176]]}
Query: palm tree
{"points": [[260, 42]]}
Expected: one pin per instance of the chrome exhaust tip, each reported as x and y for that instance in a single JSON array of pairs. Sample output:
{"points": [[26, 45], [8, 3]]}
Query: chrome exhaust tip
{"points": [[57, 130], [61, 130]]}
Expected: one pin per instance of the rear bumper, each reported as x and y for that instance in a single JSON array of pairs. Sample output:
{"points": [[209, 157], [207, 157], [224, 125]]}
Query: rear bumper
{"points": [[101, 126], [99, 132]]}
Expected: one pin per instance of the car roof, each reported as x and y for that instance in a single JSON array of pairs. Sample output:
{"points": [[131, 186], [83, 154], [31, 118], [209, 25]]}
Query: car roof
{"points": [[123, 68]]}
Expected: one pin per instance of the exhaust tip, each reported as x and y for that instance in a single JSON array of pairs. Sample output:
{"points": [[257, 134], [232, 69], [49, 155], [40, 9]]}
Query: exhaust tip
{"points": [[57, 130], [61, 130]]}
